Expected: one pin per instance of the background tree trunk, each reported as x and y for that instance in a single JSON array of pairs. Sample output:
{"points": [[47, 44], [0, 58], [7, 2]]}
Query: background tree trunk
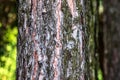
{"points": [[53, 40], [112, 40]]}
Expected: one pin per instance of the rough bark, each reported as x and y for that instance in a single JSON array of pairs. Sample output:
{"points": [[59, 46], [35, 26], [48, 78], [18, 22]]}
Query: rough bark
{"points": [[112, 40], [53, 40]]}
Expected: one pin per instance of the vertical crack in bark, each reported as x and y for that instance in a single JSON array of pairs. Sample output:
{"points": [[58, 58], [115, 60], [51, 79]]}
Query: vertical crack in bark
{"points": [[58, 46], [35, 55], [35, 65], [72, 6], [34, 5]]}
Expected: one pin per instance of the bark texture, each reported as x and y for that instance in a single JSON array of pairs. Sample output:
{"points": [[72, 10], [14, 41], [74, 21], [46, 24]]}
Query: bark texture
{"points": [[112, 40], [53, 40]]}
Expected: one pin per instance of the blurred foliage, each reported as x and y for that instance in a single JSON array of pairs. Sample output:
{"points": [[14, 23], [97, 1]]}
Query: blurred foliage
{"points": [[8, 33], [100, 76]]}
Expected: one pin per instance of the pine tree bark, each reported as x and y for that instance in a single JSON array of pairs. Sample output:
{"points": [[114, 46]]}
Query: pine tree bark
{"points": [[53, 40], [112, 40]]}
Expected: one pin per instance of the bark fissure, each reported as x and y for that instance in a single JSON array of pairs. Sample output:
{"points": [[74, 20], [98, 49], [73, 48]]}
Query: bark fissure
{"points": [[58, 46]]}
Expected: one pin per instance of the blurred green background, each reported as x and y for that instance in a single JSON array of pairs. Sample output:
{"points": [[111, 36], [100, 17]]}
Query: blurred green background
{"points": [[8, 39]]}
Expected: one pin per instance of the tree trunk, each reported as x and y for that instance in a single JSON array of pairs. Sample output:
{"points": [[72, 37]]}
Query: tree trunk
{"points": [[112, 40], [53, 40]]}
